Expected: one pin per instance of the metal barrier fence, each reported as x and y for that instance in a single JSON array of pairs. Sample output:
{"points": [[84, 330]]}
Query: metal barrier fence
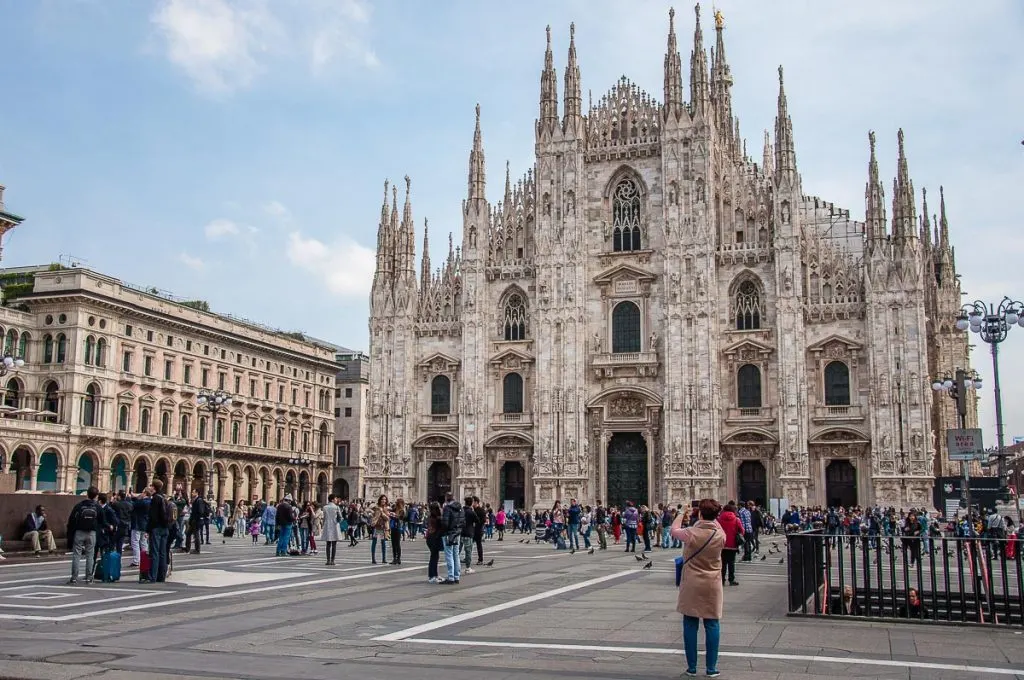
{"points": [[959, 580]]}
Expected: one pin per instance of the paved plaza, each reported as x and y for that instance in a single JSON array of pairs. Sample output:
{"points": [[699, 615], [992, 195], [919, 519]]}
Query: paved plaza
{"points": [[239, 612]]}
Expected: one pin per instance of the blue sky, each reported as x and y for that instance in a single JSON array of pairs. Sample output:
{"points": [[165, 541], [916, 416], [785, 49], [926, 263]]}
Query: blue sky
{"points": [[236, 151]]}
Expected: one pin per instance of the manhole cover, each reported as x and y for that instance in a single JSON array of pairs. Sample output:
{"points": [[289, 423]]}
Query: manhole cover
{"points": [[82, 657]]}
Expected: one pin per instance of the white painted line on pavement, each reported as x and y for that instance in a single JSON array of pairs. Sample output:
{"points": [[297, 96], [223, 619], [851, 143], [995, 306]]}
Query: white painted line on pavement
{"points": [[847, 660], [459, 618], [204, 597]]}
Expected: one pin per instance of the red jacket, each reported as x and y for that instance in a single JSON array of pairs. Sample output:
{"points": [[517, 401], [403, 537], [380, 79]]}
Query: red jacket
{"points": [[732, 527]]}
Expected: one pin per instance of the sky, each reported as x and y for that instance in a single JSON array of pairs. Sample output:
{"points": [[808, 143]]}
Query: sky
{"points": [[236, 151]]}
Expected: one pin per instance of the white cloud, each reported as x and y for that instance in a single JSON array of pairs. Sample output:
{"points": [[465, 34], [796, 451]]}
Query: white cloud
{"points": [[345, 267], [191, 262], [277, 210], [225, 45], [221, 228]]}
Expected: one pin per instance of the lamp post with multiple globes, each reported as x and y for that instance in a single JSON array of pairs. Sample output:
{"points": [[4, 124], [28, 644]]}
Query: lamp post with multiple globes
{"points": [[9, 364], [213, 402], [992, 323]]}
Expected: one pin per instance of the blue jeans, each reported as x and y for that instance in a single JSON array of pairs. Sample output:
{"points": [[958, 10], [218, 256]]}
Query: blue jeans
{"points": [[383, 547], [158, 554], [283, 539], [304, 539], [574, 536], [557, 537], [586, 536], [630, 538], [451, 559], [665, 536], [711, 637]]}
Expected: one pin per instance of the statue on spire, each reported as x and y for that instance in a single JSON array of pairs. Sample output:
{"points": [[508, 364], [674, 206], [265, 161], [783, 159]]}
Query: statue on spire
{"points": [[719, 18]]}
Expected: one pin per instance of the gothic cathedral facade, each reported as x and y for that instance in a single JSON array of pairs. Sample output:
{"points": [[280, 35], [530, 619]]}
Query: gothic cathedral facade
{"points": [[650, 314]]}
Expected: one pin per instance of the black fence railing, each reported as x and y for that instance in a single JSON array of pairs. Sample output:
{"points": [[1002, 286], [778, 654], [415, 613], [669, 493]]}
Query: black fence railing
{"points": [[961, 580]]}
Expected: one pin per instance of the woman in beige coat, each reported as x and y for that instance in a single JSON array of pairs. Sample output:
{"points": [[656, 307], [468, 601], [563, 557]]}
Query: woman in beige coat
{"points": [[700, 590]]}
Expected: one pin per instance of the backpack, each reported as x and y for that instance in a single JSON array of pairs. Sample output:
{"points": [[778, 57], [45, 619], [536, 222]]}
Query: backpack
{"points": [[88, 515]]}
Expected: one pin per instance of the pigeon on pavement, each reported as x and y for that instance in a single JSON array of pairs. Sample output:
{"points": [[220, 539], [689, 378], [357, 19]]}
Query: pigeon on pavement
{"points": [[648, 565]]}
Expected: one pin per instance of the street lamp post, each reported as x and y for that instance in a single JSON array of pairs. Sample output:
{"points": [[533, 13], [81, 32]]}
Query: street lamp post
{"points": [[10, 364], [213, 402], [304, 462], [956, 387], [992, 323]]}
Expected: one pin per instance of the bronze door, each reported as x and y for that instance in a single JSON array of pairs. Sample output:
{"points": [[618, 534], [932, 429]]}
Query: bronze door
{"points": [[513, 484], [753, 483], [841, 484], [439, 481], [627, 469]]}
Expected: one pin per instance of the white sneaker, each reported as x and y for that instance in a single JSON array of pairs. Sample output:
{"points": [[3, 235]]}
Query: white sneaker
{"points": [[470, 571], [2, 558], [431, 580]]}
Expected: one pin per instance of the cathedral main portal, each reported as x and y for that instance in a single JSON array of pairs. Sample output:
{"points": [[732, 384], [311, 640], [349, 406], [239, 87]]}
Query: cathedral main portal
{"points": [[627, 469]]}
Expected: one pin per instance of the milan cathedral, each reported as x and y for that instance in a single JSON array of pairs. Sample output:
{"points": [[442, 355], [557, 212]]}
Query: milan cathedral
{"points": [[651, 314]]}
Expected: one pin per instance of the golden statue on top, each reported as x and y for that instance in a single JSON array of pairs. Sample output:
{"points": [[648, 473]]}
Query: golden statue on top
{"points": [[719, 19]]}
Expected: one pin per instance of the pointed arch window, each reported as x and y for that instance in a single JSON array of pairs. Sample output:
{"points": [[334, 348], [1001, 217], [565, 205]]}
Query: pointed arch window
{"points": [[748, 308], [625, 328], [837, 384], [626, 216], [89, 405], [515, 317], [748, 386], [512, 393], [440, 395]]}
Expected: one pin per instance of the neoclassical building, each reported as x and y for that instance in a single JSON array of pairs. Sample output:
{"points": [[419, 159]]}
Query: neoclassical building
{"points": [[108, 393], [652, 314]]}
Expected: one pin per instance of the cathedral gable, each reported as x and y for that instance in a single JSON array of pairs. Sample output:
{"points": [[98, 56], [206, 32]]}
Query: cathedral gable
{"points": [[625, 279], [438, 363]]}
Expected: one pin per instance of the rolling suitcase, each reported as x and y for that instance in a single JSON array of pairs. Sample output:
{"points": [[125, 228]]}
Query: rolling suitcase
{"points": [[229, 531], [144, 563], [110, 565]]}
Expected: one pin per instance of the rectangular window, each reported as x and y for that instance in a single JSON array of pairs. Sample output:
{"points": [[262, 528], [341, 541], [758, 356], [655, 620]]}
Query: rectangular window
{"points": [[348, 392], [206, 350], [223, 354], [341, 454], [205, 378], [149, 336], [188, 345], [170, 341], [147, 366], [337, 412], [128, 330], [254, 362], [252, 388], [295, 396], [307, 399], [238, 384], [168, 369], [126, 362], [238, 358], [266, 391], [187, 379], [280, 393], [348, 411], [221, 380], [337, 392]]}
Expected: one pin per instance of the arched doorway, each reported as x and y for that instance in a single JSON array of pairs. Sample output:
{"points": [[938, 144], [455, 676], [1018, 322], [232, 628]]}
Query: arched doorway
{"points": [[140, 473], [840, 484], [627, 469], [513, 484], [305, 492], [86, 471], [160, 471], [21, 466], [341, 489], [199, 478], [181, 477], [752, 482], [119, 474], [321, 488], [289, 483], [439, 481], [46, 476]]}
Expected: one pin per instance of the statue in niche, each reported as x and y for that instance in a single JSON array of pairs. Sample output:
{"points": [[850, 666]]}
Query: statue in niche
{"points": [[676, 281], [785, 212], [787, 278], [700, 283], [570, 291], [700, 190], [671, 194], [653, 341], [677, 448], [547, 205], [915, 440], [596, 342], [570, 204], [705, 443]]}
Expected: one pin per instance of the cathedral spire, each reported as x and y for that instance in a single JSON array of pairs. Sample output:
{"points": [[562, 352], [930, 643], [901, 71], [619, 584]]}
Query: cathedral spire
{"points": [[477, 175], [573, 121], [673, 72], [548, 93], [785, 152], [874, 199], [943, 224], [383, 241], [903, 208], [721, 81], [768, 155], [408, 252], [425, 260], [393, 256], [508, 189], [698, 68], [926, 226]]}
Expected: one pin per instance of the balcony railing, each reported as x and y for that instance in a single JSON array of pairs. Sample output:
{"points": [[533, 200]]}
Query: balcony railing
{"points": [[625, 358], [513, 419], [748, 415], [440, 420], [848, 413]]}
